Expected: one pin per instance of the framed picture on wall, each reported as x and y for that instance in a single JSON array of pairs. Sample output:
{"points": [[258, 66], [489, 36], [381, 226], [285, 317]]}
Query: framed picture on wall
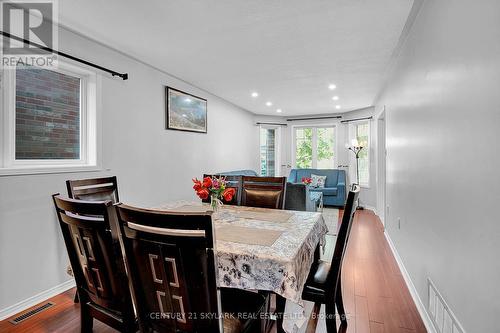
{"points": [[185, 112]]}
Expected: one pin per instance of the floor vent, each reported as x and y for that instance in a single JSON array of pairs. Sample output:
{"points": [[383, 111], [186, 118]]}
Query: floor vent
{"points": [[441, 315], [31, 313]]}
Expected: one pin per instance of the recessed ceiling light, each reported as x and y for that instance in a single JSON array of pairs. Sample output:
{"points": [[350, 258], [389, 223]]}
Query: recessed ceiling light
{"points": [[335, 98], [337, 107], [255, 94], [269, 103], [332, 87], [278, 110]]}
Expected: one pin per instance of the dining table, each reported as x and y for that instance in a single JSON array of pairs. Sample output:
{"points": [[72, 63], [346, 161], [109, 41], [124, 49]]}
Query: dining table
{"points": [[265, 250]]}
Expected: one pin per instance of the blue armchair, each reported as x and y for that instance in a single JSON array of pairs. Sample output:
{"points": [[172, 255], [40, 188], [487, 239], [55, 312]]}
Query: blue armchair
{"points": [[334, 192]]}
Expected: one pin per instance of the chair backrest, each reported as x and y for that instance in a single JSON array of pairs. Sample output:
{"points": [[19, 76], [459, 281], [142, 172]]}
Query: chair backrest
{"points": [[343, 237], [94, 189], [265, 192], [232, 181], [297, 197], [95, 254], [172, 266]]}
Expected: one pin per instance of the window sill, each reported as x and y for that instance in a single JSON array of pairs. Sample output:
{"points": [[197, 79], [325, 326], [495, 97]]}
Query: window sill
{"points": [[31, 170]]}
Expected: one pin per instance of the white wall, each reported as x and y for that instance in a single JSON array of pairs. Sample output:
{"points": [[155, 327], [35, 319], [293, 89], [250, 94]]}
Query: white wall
{"points": [[368, 195], [153, 165], [443, 116]]}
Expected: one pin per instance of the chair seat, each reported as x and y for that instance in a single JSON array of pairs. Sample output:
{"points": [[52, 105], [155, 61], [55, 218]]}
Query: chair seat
{"points": [[241, 309], [315, 287], [325, 190]]}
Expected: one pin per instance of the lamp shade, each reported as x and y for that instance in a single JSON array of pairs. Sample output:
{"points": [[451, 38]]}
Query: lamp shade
{"points": [[355, 142]]}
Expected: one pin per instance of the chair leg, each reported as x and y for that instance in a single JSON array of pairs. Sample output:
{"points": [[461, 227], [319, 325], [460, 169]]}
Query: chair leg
{"points": [[343, 327], [330, 318], [340, 303], [313, 320], [76, 300], [280, 310], [266, 322], [86, 320]]}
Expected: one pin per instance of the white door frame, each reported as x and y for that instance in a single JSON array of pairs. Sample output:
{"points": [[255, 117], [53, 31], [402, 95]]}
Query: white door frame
{"points": [[382, 165], [277, 148]]}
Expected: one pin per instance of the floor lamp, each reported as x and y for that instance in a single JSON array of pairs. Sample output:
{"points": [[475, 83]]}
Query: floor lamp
{"points": [[356, 148]]}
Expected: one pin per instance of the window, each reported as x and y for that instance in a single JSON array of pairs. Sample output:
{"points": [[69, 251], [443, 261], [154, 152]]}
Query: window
{"points": [[50, 118], [303, 148], [315, 147], [268, 151], [361, 132]]}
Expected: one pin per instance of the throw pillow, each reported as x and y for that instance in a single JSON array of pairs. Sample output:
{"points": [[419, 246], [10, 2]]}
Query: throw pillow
{"points": [[318, 181]]}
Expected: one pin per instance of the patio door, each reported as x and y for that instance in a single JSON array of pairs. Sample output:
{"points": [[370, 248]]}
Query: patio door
{"points": [[314, 147]]}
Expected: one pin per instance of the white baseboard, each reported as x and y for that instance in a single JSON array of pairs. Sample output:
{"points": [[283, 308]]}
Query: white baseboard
{"points": [[33, 300], [411, 287]]}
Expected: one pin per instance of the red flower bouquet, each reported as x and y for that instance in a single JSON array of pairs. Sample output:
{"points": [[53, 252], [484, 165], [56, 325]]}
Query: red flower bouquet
{"points": [[306, 180], [215, 188]]}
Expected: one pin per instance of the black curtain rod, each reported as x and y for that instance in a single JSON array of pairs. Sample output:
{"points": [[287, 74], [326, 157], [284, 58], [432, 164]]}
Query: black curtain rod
{"points": [[124, 76], [258, 123], [314, 118], [350, 120]]}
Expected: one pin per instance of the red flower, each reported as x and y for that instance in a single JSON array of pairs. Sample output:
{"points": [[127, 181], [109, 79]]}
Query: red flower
{"points": [[228, 194], [202, 193], [207, 182], [197, 185], [306, 180]]}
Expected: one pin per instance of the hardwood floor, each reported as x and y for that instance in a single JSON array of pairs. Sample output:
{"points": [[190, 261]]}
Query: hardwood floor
{"points": [[375, 295]]}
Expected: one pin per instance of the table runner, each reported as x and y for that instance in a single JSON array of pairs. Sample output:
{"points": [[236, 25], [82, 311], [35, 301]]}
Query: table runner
{"points": [[245, 235], [275, 216]]}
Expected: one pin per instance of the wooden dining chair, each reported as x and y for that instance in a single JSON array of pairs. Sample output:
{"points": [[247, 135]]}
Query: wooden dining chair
{"points": [[232, 181], [94, 189], [173, 269], [323, 285], [97, 262], [265, 192]]}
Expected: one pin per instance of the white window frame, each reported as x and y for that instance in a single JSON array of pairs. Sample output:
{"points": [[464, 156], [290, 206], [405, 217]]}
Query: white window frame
{"points": [[352, 158], [315, 127], [89, 143], [277, 147]]}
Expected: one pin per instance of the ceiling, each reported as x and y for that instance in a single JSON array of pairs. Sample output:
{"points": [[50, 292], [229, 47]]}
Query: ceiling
{"points": [[288, 51]]}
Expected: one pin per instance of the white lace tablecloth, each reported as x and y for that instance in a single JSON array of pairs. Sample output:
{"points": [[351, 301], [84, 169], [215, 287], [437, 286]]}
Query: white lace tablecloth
{"points": [[281, 267]]}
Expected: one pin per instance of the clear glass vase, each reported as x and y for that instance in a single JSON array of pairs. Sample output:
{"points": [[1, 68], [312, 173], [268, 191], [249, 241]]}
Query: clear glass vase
{"points": [[214, 203]]}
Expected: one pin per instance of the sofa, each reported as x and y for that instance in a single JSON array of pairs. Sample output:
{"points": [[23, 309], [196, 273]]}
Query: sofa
{"points": [[239, 173], [334, 192]]}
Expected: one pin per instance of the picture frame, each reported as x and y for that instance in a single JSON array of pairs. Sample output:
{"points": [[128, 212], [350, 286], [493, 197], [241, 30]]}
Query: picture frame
{"points": [[185, 111]]}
